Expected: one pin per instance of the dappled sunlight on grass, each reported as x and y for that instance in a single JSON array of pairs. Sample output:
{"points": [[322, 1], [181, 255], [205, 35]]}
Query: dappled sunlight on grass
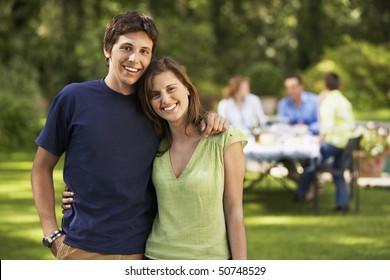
{"points": [[20, 230], [255, 207], [19, 165], [386, 208], [282, 220], [353, 240], [278, 229], [57, 176], [382, 114], [26, 232], [16, 219]]}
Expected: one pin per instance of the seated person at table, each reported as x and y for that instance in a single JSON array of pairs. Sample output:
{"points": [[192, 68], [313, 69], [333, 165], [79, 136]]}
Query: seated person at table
{"points": [[336, 127], [240, 107], [298, 107]]}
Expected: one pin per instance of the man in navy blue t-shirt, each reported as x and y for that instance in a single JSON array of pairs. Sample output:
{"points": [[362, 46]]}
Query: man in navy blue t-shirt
{"points": [[109, 146]]}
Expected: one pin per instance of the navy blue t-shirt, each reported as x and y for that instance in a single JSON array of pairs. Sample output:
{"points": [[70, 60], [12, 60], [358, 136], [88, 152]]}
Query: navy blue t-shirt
{"points": [[110, 146]]}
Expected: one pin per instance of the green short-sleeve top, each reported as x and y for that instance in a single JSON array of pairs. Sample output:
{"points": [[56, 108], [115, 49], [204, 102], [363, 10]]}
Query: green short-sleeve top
{"points": [[190, 223]]}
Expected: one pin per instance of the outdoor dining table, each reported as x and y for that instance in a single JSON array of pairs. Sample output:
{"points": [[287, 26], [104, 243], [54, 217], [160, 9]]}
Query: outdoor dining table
{"points": [[281, 141]]}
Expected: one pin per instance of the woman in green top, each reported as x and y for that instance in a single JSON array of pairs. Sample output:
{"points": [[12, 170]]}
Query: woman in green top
{"points": [[198, 180]]}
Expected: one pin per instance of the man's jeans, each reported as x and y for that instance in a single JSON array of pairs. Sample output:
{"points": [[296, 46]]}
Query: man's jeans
{"points": [[327, 152]]}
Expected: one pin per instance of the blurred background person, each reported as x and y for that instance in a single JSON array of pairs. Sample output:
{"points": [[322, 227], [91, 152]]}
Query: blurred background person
{"points": [[336, 128], [240, 107], [299, 106]]}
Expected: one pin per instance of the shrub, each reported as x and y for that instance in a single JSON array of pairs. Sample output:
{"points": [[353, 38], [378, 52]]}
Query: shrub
{"points": [[364, 72], [266, 79], [19, 100]]}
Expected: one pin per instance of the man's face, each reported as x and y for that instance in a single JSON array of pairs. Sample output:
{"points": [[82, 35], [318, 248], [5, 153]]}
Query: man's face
{"points": [[128, 60], [293, 88]]}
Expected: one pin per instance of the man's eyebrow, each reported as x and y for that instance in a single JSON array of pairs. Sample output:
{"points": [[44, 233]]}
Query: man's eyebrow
{"points": [[126, 44]]}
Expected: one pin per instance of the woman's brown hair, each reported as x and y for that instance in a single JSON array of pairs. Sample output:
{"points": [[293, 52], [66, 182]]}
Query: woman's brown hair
{"points": [[233, 86]]}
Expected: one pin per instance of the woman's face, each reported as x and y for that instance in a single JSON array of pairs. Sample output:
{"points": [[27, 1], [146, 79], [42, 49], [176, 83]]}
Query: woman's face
{"points": [[243, 90], [169, 97]]}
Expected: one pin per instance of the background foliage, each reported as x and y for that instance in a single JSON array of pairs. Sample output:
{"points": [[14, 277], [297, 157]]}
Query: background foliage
{"points": [[46, 44]]}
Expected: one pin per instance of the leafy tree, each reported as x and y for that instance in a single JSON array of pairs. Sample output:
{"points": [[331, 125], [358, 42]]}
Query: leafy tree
{"points": [[309, 32], [60, 41], [364, 71], [19, 104]]}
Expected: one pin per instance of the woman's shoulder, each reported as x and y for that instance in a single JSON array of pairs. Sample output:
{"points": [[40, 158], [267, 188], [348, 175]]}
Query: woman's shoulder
{"points": [[231, 135]]}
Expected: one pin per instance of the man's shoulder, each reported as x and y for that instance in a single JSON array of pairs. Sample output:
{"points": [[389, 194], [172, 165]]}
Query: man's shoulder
{"points": [[81, 85], [75, 90], [284, 101], [310, 95]]}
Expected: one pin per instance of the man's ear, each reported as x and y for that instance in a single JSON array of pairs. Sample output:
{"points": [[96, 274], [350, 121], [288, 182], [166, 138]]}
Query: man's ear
{"points": [[106, 53]]}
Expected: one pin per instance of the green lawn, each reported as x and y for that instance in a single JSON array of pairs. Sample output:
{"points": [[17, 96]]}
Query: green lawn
{"points": [[381, 114], [276, 228], [20, 231]]}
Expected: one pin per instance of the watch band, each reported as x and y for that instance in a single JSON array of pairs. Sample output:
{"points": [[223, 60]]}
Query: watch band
{"points": [[48, 240]]}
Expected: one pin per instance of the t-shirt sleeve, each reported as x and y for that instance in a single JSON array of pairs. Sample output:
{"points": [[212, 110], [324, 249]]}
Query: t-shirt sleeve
{"points": [[54, 135], [233, 135]]}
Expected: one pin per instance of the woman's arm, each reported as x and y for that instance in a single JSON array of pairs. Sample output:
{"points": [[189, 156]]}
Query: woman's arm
{"points": [[234, 162]]}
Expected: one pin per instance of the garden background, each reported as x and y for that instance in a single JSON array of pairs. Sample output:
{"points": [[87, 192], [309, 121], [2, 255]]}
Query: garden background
{"points": [[45, 45]]}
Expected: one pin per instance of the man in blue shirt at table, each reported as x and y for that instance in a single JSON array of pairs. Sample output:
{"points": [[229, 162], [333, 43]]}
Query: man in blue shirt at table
{"points": [[298, 107]]}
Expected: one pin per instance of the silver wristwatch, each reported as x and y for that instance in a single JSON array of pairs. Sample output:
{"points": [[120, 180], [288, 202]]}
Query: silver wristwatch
{"points": [[48, 240]]}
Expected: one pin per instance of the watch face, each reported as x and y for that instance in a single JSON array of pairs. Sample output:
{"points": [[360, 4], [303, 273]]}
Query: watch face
{"points": [[46, 242]]}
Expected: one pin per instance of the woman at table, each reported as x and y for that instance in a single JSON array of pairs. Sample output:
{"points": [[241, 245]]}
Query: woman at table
{"points": [[198, 180], [240, 107]]}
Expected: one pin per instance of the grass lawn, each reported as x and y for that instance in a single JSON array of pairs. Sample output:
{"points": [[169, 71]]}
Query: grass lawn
{"points": [[382, 114], [20, 231], [276, 228]]}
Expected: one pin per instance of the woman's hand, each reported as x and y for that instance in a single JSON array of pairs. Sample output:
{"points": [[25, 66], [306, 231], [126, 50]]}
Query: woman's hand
{"points": [[212, 124], [67, 199]]}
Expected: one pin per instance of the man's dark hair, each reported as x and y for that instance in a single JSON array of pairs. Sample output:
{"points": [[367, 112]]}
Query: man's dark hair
{"points": [[295, 76], [128, 22], [332, 81]]}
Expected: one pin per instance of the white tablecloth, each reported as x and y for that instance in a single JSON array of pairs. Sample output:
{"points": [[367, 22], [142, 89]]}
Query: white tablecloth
{"points": [[295, 148]]}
